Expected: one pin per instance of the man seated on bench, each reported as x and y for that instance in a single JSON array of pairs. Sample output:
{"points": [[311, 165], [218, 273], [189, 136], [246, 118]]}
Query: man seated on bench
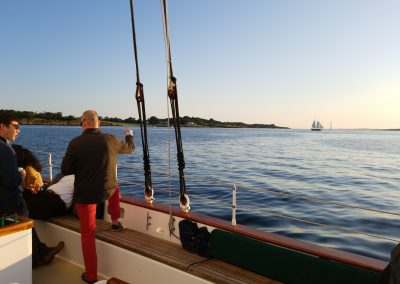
{"points": [[54, 201], [11, 201]]}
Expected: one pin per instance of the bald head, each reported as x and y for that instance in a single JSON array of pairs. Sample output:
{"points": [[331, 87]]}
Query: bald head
{"points": [[90, 119]]}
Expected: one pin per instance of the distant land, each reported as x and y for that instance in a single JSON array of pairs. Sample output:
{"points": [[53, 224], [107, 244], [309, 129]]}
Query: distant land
{"points": [[56, 118]]}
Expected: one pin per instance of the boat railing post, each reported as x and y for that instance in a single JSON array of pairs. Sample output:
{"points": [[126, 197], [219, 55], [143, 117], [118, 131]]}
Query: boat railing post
{"points": [[234, 205], [50, 168]]}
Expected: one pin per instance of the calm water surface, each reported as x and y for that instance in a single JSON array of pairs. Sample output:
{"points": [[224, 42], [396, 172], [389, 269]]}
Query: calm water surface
{"points": [[287, 180]]}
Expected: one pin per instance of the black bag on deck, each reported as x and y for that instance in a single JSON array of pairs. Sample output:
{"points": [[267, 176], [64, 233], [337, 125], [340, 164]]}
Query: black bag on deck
{"points": [[194, 239], [203, 237], [187, 233]]}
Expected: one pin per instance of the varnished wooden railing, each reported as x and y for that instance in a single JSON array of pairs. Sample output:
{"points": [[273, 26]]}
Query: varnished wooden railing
{"points": [[23, 223], [309, 248]]}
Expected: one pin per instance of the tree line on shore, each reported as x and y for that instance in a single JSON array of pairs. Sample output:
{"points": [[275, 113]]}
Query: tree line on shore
{"points": [[57, 118]]}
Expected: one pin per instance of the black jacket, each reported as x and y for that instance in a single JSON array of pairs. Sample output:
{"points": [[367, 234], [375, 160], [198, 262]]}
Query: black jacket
{"points": [[10, 179], [92, 158]]}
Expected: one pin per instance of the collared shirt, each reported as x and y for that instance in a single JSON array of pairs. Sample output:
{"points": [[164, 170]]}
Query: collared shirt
{"points": [[64, 188], [4, 140]]}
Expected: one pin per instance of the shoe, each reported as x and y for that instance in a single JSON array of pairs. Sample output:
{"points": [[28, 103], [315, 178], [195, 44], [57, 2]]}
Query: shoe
{"points": [[84, 278], [50, 255], [117, 227]]}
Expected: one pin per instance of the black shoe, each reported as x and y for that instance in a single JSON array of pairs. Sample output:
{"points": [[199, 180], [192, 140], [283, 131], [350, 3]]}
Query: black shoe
{"points": [[50, 255], [117, 227], [84, 278]]}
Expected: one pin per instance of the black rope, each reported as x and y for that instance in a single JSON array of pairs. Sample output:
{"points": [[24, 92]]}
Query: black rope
{"points": [[134, 41], [173, 96], [142, 114]]}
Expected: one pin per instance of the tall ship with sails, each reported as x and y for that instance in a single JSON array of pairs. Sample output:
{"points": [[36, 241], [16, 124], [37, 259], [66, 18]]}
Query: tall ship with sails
{"points": [[316, 125]]}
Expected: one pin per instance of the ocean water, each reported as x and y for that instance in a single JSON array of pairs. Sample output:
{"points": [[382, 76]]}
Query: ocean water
{"points": [[336, 188]]}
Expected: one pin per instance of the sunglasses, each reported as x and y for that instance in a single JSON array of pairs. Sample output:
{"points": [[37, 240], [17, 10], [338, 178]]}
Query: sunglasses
{"points": [[82, 121], [16, 126]]}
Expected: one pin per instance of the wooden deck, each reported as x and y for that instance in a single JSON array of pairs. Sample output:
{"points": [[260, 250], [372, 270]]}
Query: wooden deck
{"points": [[169, 253], [63, 272], [59, 271]]}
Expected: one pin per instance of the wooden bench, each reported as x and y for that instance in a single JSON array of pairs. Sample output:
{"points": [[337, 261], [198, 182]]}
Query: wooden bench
{"points": [[174, 255]]}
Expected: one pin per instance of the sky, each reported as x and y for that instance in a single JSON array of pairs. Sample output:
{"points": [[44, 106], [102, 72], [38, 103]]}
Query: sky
{"points": [[253, 61]]}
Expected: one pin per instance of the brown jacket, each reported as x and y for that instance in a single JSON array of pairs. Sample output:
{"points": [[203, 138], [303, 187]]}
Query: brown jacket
{"points": [[92, 158]]}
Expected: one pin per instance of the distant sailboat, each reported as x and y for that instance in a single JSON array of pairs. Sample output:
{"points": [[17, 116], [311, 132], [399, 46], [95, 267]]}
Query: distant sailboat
{"points": [[316, 125]]}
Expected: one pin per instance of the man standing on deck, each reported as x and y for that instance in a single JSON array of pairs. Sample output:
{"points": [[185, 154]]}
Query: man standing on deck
{"points": [[92, 157], [11, 201]]}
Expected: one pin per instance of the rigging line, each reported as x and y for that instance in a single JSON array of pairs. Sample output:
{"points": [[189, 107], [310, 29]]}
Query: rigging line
{"points": [[134, 40], [211, 201], [173, 96], [289, 195], [171, 222], [42, 152], [165, 46], [320, 224], [292, 195], [169, 174], [168, 114], [125, 182], [316, 200], [169, 161], [148, 190], [164, 12], [263, 211]]}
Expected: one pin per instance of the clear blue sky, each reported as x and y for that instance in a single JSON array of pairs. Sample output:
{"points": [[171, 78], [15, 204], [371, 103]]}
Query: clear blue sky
{"points": [[255, 61]]}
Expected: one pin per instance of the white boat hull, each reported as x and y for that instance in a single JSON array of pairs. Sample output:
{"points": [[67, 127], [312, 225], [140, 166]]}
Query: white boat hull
{"points": [[16, 257], [114, 261]]}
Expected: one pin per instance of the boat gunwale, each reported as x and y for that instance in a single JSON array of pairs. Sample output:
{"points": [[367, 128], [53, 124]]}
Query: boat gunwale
{"points": [[360, 261], [24, 223]]}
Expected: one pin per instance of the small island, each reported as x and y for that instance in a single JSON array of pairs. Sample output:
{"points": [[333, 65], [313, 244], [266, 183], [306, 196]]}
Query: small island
{"points": [[57, 118]]}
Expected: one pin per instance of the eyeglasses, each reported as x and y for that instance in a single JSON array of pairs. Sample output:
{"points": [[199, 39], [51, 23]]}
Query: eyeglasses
{"points": [[82, 121], [15, 125]]}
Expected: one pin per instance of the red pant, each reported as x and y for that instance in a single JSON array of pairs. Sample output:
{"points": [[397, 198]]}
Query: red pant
{"points": [[87, 216]]}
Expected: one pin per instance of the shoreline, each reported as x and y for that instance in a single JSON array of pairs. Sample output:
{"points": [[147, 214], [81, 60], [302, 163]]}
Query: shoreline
{"points": [[110, 123]]}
